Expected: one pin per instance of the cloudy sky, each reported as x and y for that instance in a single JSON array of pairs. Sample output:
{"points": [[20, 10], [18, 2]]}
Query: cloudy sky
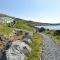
{"points": [[37, 10]]}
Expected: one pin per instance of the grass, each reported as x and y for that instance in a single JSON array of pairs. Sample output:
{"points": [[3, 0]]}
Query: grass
{"points": [[56, 38], [36, 48], [23, 25], [5, 30]]}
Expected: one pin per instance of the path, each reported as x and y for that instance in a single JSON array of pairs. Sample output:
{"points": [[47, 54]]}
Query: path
{"points": [[50, 50]]}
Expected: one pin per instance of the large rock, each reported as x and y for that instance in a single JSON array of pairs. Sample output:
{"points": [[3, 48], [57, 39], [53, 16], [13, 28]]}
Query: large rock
{"points": [[17, 51]]}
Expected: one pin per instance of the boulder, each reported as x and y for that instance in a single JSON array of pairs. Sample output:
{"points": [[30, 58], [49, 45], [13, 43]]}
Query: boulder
{"points": [[17, 51]]}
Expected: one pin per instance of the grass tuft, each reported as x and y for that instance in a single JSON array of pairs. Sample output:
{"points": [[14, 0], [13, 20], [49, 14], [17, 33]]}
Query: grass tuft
{"points": [[36, 48]]}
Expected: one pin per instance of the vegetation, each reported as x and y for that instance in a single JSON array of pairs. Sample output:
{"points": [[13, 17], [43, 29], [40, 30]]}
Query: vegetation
{"points": [[11, 24], [36, 48], [56, 39], [23, 25], [41, 29], [50, 32], [57, 32], [5, 30], [55, 35]]}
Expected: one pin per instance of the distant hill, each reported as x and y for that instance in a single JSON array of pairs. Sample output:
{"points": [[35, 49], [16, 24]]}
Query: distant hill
{"points": [[4, 15], [37, 23], [29, 22]]}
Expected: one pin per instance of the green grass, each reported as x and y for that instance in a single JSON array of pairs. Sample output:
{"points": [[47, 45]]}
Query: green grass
{"points": [[56, 38], [36, 48], [5, 30], [23, 25]]}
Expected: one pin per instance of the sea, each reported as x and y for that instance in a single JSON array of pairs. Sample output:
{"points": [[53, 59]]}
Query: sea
{"points": [[50, 27]]}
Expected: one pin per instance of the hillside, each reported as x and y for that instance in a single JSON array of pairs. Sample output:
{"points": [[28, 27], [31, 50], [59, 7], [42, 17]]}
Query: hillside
{"points": [[5, 30], [23, 25], [20, 23], [29, 22], [10, 30], [37, 23], [4, 15]]}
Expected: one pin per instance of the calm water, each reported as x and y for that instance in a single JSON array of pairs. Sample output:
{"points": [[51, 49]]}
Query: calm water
{"points": [[51, 27]]}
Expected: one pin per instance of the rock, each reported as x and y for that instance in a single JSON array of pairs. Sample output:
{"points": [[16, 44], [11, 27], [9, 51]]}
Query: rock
{"points": [[8, 44], [27, 35], [2, 38], [17, 51], [3, 56], [0, 55], [27, 41], [25, 48], [17, 56]]}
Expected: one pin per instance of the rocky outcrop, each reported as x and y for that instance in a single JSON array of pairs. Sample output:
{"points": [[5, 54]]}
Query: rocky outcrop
{"points": [[17, 51]]}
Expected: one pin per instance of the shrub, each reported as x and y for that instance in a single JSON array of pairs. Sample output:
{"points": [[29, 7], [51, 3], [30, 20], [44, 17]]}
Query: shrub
{"points": [[11, 24], [57, 32], [47, 29], [41, 29], [48, 32]]}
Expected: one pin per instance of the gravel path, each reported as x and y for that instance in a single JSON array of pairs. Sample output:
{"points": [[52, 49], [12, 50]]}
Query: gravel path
{"points": [[50, 50]]}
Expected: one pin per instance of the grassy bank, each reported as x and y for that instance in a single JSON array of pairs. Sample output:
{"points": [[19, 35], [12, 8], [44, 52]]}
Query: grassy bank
{"points": [[56, 39], [5, 30], [23, 25], [36, 47]]}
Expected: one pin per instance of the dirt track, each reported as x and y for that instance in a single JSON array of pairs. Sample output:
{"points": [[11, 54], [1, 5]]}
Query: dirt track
{"points": [[50, 50]]}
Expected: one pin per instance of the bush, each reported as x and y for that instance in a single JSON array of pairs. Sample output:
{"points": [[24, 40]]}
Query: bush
{"points": [[11, 24], [48, 32], [41, 29], [57, 32], [47, 29]]}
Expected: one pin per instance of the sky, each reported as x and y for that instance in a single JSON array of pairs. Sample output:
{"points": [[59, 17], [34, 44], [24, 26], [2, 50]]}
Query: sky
{"points": [[47, 11]]}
